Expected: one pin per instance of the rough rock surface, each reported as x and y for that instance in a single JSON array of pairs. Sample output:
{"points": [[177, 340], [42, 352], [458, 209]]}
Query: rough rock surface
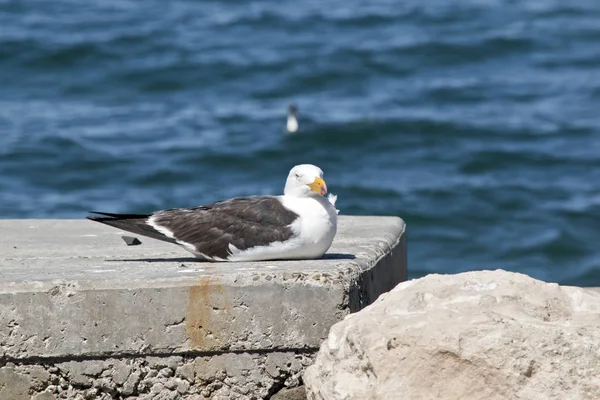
{"points": [[476, 335]]}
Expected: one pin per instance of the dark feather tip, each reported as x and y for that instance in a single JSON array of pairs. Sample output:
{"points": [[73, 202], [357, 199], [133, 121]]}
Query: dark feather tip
{"points": [[131, 241]]}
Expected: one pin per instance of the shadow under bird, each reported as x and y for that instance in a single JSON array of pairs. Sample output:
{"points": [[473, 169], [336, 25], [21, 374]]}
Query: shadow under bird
{"points": [[300, 224]]}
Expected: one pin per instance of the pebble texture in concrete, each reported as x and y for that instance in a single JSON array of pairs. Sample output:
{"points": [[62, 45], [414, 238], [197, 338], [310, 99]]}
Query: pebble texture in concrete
{"points": [[72, 292], [220, 376]]}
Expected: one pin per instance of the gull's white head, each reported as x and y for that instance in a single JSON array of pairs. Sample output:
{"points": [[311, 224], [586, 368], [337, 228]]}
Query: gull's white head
{"points": [[305, 180]]}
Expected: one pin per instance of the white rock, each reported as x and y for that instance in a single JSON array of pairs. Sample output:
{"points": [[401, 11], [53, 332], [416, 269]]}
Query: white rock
{"points": [[476, 335]]}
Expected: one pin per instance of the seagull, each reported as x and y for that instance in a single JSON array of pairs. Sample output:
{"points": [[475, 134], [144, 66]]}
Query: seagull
{"points": [[292, 122], [300, 224]]}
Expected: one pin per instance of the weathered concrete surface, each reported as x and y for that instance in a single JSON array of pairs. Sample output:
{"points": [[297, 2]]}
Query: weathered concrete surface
{"points": [[475, 335], [220, 376], [74, 290]]}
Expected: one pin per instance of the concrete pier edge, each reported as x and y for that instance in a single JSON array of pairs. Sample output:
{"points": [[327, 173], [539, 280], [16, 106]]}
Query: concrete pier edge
{"points": [[74, 298]]}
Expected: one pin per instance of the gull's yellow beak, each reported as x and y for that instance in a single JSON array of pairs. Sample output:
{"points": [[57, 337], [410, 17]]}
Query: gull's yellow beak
{"points": [[318, 186]]}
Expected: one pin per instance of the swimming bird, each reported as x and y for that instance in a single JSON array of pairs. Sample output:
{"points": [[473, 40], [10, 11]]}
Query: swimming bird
{"points": [[292, 121], [300, 224]]}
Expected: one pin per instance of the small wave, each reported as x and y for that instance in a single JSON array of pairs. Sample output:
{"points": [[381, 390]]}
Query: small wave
{"points": [[591, 61], [586, 274], [490, 160], [557, 10], [553, 244], [468, 52]]}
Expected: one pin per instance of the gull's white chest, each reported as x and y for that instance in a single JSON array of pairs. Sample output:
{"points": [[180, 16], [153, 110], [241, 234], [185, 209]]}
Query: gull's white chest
{"points": [[317, 222], [314, 230]]}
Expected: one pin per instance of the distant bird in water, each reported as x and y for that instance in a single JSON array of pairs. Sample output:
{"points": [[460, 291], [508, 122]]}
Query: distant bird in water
{"points": [[292, 122]]}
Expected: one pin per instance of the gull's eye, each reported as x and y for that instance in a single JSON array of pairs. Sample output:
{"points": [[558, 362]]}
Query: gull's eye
{"points": [[297, 175]]}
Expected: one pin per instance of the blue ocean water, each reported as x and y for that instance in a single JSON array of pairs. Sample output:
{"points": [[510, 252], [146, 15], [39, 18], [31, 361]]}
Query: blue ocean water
{"points": [[477, 121]]}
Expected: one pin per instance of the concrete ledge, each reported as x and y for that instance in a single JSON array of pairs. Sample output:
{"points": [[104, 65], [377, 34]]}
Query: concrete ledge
{"points": [[72, 290]]}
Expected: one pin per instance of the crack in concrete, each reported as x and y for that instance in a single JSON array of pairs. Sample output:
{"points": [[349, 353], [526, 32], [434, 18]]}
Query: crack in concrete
{"points": [[127, 355]]}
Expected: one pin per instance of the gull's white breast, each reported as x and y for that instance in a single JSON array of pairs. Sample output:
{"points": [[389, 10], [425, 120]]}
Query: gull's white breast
{"points": [[314, 230], [316, 225]]}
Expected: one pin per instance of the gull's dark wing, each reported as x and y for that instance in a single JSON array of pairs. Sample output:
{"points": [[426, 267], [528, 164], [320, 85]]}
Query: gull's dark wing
{"points": [[244, 222]]}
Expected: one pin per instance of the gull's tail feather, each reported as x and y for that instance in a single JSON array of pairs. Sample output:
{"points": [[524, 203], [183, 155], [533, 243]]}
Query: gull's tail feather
{"points": [[135, 223]]}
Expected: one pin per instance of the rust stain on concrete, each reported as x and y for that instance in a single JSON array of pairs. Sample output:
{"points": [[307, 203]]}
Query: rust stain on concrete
{"points": [[204, 321]]}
